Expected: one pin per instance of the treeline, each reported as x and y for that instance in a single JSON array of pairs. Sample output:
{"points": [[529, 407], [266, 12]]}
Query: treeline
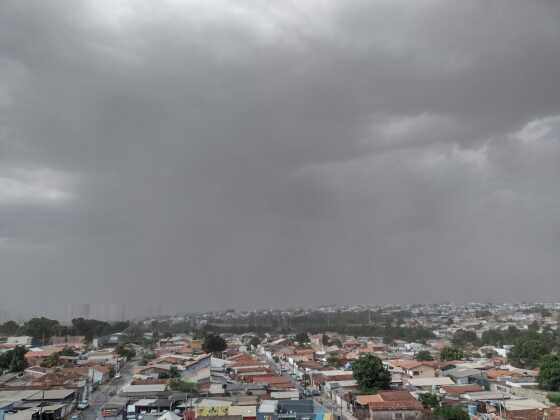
{"points": [[509, 336], [42, 329], [530, 346], [13, 360], [315, 320], [389, 333]]}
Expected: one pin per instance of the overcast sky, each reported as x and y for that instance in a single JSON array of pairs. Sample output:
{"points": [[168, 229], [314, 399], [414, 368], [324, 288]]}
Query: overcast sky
{"points": [[249, 153]]}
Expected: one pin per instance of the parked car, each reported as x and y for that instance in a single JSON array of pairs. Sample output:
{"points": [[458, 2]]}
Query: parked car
{"points": [[82, 405]]}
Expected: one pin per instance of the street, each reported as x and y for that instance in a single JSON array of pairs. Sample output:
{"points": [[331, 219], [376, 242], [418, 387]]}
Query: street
{"points": [[326, 403], [106, 391]]}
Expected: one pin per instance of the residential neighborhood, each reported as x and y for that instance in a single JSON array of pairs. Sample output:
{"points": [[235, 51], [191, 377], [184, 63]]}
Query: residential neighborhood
{"points": [[471, 361]]}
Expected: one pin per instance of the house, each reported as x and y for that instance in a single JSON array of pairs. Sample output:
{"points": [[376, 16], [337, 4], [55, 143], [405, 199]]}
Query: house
{"points": [[47, 411], [247, 412], [389, 405], [285, 395], [22, 340], [67, 377], [458, 390], [36, 371], [144, 391], [114, 409], [109, 340], [428, 384], [274, 381], [153, 371], [75, 341], [463, 376], [54, 396], [524, 409], [210, 407], [36, 356], [99, 373], [318, 378], [294, 409], [414, 368], [107, 356]]}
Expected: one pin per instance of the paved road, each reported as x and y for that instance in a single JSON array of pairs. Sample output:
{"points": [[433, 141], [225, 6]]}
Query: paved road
{"points": [[106, 391], [337, 410], [326, 403]]}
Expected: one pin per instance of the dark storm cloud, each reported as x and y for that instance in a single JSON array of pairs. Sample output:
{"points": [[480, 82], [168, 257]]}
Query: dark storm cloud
{"points": [[246, 154]]}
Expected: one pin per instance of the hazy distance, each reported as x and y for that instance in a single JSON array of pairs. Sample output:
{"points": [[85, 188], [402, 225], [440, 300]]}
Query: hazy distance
{"points": [[205, 155]]}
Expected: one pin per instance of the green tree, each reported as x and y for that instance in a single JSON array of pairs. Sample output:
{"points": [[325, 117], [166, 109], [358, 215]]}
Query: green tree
{"points": [[13, 360], [125, 351], [41, 328], [254, 342], [527, 353], [451, 353], [554, 397], [370, 374], [451, 412], [429, 400], [424, 356], [214, 344], [302, 338], [549, 373], [51, 360], [462, 338], [68, 351], [182, 386], [334, 361], [174, 372], [336, 342], [9, 328]]}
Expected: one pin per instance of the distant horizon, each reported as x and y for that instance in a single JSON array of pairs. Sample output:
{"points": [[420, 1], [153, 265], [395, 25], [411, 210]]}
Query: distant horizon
{"points": [[4, 315]]}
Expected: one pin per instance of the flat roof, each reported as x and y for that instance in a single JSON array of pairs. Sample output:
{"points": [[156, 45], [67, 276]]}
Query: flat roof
{"points": [[438, 381], [243, 410], [115, 402], [11, 396], [208, 402], [144, 388], [145, 401], [284, 395], [486, 395], [268, 406], [524, 404], [51, 394]]}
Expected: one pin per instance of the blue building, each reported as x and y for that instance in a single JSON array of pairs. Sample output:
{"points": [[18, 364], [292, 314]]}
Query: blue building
{"points": [[290, 410]]}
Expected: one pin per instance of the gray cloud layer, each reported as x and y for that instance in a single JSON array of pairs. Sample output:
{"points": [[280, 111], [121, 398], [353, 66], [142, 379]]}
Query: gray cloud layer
{"points": [[249, 153]]}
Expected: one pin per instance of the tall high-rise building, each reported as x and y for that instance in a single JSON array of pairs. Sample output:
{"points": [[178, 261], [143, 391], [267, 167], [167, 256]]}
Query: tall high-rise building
{"points": [[77, 310], [108, 311]]}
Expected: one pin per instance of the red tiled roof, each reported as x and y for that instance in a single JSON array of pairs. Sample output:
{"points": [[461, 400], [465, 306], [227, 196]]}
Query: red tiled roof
{"points": [[395, 400], [461, 389], [396, 396], [271, 379], [367, 399], [411, 364]]}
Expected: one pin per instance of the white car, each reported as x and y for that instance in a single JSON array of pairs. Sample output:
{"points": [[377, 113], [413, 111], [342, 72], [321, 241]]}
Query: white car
{"points": [[82, 405]]}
